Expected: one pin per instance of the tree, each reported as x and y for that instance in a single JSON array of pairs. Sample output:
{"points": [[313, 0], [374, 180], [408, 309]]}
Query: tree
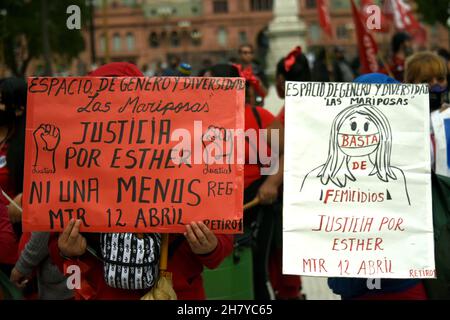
{"points": [[434, 11], [23, 39]]}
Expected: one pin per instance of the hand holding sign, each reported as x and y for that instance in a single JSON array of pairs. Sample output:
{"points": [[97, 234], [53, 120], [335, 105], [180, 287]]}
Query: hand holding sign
{"points": [[200, 238], [46, 138], [20, 280], [268, 192], [71, 243]]}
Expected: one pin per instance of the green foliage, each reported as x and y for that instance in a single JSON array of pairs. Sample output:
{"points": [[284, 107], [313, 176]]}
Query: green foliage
{"points": [[23, 23]]}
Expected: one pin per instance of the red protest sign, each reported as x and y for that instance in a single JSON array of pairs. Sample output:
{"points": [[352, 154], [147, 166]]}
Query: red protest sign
{"points": [[133, 154]]}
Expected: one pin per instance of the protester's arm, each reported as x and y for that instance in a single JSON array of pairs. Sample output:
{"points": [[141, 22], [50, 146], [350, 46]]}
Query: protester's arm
{"points": [[263, 80], [262, 76], [15, 215], [254, 81], [69, 244], [54, 253], [35, 251], [223, 249], [261, 89], [276, 125], [211, 249], [268, 192], [444, 107]]}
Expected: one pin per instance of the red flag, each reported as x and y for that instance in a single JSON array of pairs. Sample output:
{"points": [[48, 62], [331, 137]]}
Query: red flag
{"points": [[366, 44], [404, 19], [403, 16], [420, 35], [366, 14], [324, 17]]}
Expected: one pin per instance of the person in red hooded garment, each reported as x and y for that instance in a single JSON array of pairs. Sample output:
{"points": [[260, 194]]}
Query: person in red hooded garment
{"points": [[293, 67], [13, 100], [189, 253]]}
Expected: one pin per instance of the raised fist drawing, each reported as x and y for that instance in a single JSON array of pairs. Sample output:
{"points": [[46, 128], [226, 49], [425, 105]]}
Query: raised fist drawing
{"points": [[215, 141], [46, 138]]}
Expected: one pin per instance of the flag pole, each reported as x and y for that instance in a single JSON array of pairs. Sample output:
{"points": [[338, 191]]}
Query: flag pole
{"points": [[11, 201]]}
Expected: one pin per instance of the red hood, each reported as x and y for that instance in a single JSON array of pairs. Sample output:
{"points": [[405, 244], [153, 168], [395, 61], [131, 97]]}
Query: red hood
{"points": [[117, 69]]}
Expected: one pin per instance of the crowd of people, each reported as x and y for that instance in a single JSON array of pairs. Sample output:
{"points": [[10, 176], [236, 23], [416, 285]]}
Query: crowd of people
{"points": [[35, 262]]}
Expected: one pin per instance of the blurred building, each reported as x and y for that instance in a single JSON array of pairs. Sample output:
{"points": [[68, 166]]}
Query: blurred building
{"points": [[147, 32]]}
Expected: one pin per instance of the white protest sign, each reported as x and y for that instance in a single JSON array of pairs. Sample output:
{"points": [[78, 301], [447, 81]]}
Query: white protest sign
{"points": [[357, 185], [440, 122]]}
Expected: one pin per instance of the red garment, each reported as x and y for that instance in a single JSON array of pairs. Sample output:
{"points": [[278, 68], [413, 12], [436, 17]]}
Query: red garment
{"points": [[280, 116], [186, 268], [8, 239], [117, 69], [93, 268], [5, 180], [397, 68], [185, 265], [252, 172], [286, 287], [92, 281], [252, 79]]}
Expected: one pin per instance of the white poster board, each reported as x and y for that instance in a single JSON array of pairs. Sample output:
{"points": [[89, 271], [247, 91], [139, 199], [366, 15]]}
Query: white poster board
{"points": [[357, 184], [440, 122]]}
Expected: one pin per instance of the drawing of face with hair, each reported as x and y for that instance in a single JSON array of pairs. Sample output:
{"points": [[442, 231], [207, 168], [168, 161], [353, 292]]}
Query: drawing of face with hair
{"points": [[359, 132]]}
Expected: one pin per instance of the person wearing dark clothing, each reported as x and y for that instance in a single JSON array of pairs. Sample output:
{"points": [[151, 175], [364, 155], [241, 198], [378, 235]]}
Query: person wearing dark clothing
{"points": [[52, 284], [341, 69], [258, 221], [293, 67], [13, 95], [206, 64], [171, 70], [246, 60], [445, 54], [401, 46], [320, 68]]}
